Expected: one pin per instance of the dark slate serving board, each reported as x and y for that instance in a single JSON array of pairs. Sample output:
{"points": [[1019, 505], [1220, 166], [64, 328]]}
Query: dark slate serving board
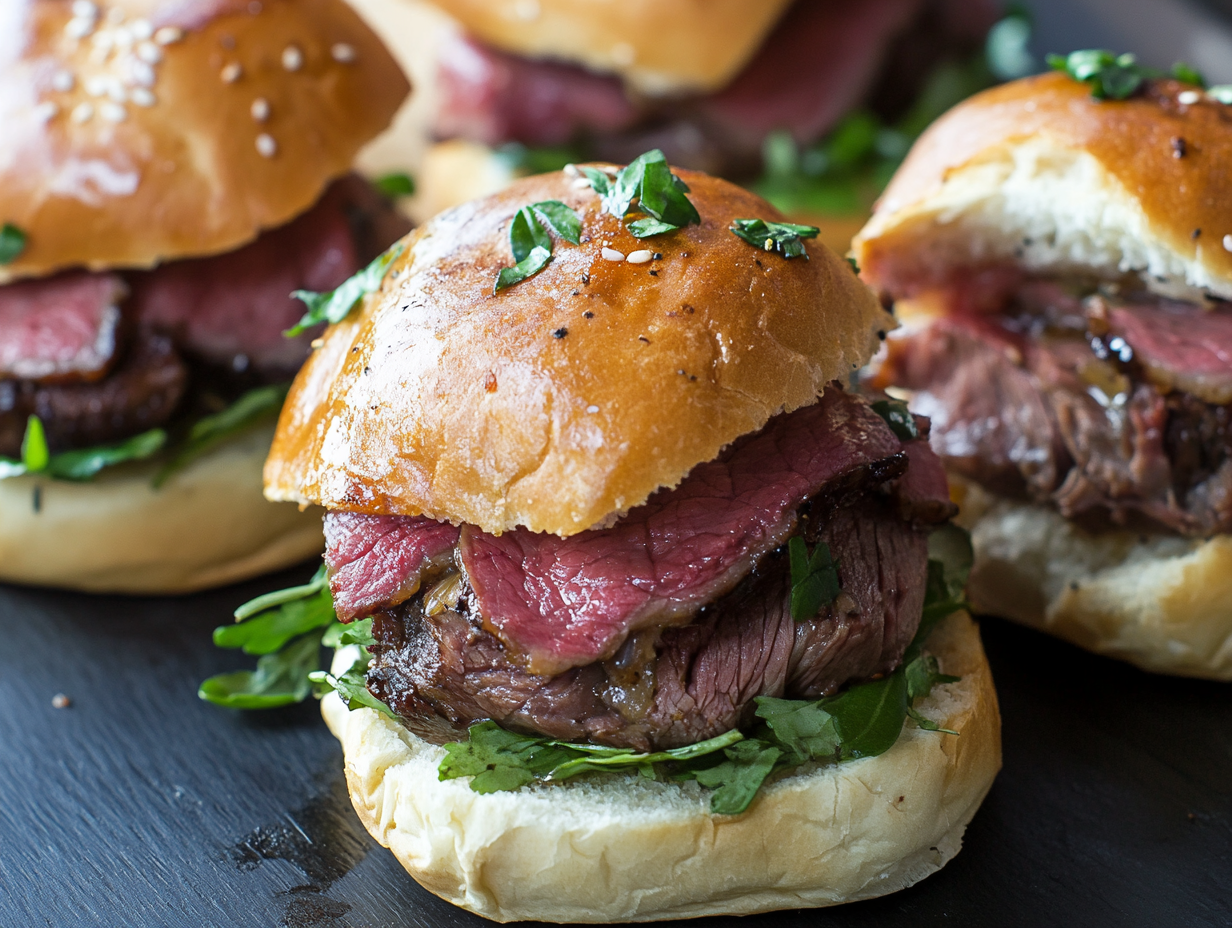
{"points": [[139, 805]]}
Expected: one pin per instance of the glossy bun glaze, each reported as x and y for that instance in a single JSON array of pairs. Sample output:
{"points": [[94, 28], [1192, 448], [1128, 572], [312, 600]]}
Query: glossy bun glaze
{"points": [[564, 400], [148, 130]]}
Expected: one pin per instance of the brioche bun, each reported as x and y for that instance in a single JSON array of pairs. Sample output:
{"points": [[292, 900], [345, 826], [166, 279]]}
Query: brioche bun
{"points": [[657, 46], [622, 848], [438, 397], [206, 526], [1160, 602], [188, 163], [1040, 174]]}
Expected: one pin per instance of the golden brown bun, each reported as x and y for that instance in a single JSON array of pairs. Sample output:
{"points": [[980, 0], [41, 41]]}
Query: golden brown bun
{"points": [[438, 397], [207, 526], [1040, 173], [624, 848], [1161, 602], [182, 175], [657, 46]]}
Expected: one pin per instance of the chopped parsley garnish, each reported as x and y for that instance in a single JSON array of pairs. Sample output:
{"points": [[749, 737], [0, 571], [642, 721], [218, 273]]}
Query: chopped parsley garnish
{"points": [[1116, 77], [660, 195], [530, 242], [898, 418], [786, 238], [80, 464], [336, 304], [393, 186], [12, 243], [814, 579]]}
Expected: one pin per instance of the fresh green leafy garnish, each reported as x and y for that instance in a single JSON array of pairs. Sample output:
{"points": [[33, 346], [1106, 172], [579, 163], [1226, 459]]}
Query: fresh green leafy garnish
{"points": [[855, 265], [252, 407], [1111, 76], [12, 243], [351, 685], [524, 159], [863, 721], [80, 464], [660, 194], [395, 185], [814, 579], [530, 242], [280, 679], [898, 418], [1188, 74], [336, 304], [786, 238], [267, 628]]}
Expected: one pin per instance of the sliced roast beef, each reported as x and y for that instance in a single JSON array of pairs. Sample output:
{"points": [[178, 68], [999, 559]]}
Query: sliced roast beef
{"points": [[1182, 346], [60, 329], [675, 686], [141, 393]]}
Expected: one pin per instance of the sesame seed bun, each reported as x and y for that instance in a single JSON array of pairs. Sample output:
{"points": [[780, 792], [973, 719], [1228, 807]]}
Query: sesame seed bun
{"points": [[156, 130], [206, 526], [623, 848], [565, 400], [1038, 172], [657, 46]]}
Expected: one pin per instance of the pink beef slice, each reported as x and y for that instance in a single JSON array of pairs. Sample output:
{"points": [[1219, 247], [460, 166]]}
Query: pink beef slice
{"points": [[561, 603], [376, 561], [1182, 346], [60, 329]]}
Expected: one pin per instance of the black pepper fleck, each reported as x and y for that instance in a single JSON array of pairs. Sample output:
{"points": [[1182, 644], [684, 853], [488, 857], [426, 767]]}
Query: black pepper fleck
{"points": [[588, 314], [658, 256], [37, 498], [367, 369], [654, 273], [585, 280], [575, 292], [881, 334], [757, 261], [643, 338], [560, 333], [1179, 148], [1195, 233]]}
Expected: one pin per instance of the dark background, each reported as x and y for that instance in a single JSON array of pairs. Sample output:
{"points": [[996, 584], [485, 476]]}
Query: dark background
{"points": [[142, 805]]}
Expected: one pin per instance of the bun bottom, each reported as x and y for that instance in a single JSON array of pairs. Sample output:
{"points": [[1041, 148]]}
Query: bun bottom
{"points": [[207, 526], [1160, 602], [623, 848]]}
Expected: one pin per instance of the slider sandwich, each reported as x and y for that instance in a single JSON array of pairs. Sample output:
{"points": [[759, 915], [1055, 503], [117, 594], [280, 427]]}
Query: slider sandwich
{"points": [[1060, 251], [171, 172], [643, 614]]}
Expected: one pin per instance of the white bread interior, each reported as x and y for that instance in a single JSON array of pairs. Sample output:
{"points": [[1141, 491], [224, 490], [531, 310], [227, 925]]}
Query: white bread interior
{"points": [[622, 848]]}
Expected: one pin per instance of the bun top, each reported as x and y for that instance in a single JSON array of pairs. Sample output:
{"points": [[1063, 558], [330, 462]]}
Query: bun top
{"points": [[1040, 174], [136, 131], [658, 46], [564, 400]]}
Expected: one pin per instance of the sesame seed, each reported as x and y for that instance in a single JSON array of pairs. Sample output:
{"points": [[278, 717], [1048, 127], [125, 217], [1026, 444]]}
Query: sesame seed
{"points": [[60, 701], [112, 112], [611, 254], [141, 73], [231, 72], [141, 29], [63, 81], [768, 245], [122, 37], [266, 146], [592, 409], [143, 97], [84, 9], [116, 91], [1227, 242], [103, 41], [260, 109], [1188, 97], [149, 53], [292, 58], [78, 28], [168, 35], [639, 257], [571, 170], [83, 112], [97, 86], [343, 53], [46, 111], [580, 183]]}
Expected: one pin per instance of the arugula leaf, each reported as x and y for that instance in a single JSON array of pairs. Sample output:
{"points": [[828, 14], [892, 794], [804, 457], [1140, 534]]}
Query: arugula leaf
{"points": [[786, 238], [12, 243], [206, 433], [597, 758], [1111, 76], [78, 465], [814, 579], [35, 456], [335, 305], [898, 418], [351, 687], [358, 632], [279, 680], [804, 729], [1188, 74], [737, 779], [395, 185], [271, 630], [499, 759]]}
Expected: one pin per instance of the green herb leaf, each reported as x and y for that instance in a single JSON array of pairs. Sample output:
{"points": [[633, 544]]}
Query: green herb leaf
{"points": [[786, 238], [336, 304], [253, 407], [869, 716], [804, 729], [660, 196], [85, 463], [395, 185], [12, 243], [351, 687], [600, 182], [1111, 76], [814, 579], [279, 680], [526, 234], [522, 159], [561, 219], [1221, 92], [898, 418], [35, 456], [737, 779], [531, 265], [499, 759], [598, 758], [659, 192], [270, 630], [1188, 74], [277, 598], [855, 266], [645, 228]]}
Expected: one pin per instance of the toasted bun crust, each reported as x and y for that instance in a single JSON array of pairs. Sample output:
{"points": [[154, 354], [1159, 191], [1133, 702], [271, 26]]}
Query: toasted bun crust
{"points": [[657, 46], [207, 526], [1161, 602], [1039, 173], [623, 848], [175, 168], [439, 397]]}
